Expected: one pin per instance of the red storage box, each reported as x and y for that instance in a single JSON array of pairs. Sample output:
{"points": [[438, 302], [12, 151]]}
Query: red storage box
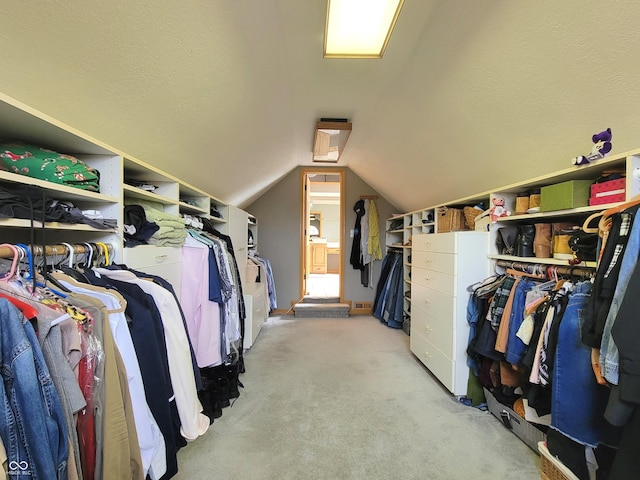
{"points": [[616, 197], [598, 189], [608, 192]]}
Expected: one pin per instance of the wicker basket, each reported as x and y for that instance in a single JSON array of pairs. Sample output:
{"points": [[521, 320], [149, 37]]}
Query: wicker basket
{"points": [[450, 220], [552, 468], [470, 214]]}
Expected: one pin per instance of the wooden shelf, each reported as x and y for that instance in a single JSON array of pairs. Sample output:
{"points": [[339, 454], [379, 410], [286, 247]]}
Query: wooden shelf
{"points": [[135, 192], [558, 213], [60, 192], [78, 227]]}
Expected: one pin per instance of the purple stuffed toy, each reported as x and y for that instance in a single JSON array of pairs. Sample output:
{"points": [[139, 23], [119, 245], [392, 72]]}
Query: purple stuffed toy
{"points": [[601, 148]]}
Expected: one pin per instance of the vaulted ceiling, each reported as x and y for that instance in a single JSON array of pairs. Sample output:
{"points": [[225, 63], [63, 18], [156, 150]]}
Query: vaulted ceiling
{"points": [[225, 93]]}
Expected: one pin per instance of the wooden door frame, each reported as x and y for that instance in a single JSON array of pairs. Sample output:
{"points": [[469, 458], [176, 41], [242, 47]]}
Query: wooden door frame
{"points": [[304, 216]]}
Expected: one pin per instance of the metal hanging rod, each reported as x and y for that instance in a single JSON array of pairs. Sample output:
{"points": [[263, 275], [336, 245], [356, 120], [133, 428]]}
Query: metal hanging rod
{"points": [[53, 250], [560, 270]]}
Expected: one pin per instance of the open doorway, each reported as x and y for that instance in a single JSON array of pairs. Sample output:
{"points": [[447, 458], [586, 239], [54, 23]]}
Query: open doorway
{"points": [[322, 239]]}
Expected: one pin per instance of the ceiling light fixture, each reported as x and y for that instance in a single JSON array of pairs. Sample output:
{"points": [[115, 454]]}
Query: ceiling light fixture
{"points": [[359, 28]]}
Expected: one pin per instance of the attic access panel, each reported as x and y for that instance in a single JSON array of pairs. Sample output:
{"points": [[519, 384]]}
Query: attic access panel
{"points": [[330, 140]]}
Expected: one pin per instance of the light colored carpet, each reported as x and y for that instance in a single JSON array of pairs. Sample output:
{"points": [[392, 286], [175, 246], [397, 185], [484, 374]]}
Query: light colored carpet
{"points": [[345, 399]]}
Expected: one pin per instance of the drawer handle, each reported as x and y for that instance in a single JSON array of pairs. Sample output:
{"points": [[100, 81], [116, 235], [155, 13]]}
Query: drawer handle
{"points": [[427, 261], [161, 258], [427, 278], [427, 301], [427, 328], [427, 354]]}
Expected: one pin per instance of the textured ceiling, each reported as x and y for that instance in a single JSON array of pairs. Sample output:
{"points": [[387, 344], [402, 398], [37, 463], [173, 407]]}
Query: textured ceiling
{"points": [[225, 94]]}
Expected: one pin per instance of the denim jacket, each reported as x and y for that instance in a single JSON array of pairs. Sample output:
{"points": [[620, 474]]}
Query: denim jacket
{"points": [[32, 423], [609, 356]]}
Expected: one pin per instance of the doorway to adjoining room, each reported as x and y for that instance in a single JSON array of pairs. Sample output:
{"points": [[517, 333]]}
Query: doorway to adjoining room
{"points": [[322, 221]]}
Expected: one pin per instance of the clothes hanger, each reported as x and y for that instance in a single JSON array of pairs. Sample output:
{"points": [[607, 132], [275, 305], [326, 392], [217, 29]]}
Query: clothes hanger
{"points": [[70, 253], [585, 225], [520, 273], [14, 262], [89, 256], [105, 251], [71, 269], [29, 274], [619, 208], [61, 290]]}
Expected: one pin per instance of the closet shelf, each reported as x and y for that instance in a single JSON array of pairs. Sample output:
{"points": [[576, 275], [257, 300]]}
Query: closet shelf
{"points": [[188, 208], [60, 192], [558, 213], [543, 261], [79, 227], [135, 192]]}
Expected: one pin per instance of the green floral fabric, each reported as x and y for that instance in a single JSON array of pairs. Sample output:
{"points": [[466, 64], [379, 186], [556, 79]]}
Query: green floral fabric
{"points": [[38, 162]]}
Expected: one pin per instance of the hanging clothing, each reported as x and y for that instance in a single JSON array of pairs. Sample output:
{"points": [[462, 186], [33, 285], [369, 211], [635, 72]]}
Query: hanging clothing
{"points": [[390, 302], [578, 402], [150, 439], [365, 255], [356, 257], [374, 248], [202, 314], [271, 284], [193, 422], [30, 400]]}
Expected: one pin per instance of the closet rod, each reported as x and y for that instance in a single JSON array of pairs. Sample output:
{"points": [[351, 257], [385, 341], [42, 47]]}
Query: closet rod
{"points": [[50, 250], [574, 271], [368, 197]]}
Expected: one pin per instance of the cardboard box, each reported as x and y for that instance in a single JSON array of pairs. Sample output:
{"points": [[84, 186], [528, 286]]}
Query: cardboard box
{"points": [[483, 224], [598, 189], [565, 195]]}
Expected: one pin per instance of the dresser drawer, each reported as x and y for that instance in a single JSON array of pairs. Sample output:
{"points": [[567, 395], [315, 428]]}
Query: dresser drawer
{"points": [[436, 361], [433, 302], [150, 255], [165, 262], [442, 282], [438, 331], [440, 262], [435, 242], [259, 311]]}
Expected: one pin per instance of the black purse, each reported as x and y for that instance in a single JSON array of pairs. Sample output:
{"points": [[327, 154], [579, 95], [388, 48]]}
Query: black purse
{"points": [[584, 245], [506, 240]]}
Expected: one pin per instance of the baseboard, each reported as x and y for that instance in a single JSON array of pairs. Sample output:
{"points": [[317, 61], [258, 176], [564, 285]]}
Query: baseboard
{"points": [[361, 311], [282, 311]]}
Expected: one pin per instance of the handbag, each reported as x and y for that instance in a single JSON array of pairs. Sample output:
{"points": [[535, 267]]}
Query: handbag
{"points": [[584, 245], [506, 240]]}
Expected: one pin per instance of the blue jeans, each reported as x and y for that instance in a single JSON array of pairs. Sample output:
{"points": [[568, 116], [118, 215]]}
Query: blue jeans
{"points": [[577, 401], [32, 424], [516, 348]]}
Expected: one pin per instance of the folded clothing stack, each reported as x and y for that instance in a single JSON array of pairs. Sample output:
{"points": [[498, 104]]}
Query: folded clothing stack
{"points": [[171, 231]]}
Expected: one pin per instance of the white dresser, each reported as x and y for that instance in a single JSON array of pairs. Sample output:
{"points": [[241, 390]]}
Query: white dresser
{"points": [[256, 304], [443, 265]]}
